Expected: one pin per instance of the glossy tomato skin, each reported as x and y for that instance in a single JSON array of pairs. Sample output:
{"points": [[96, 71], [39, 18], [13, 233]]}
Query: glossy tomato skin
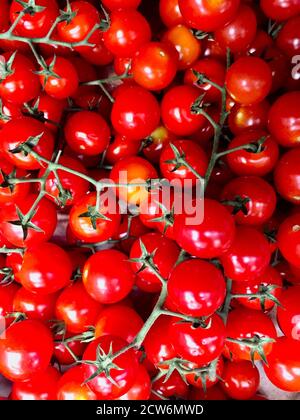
{"points": [[270, 277], [141, 388], [135, 113], [212, 237], [128, 31], [261, 196], [174, 386], [123, 379], [98, 55], [51, 109], [253, 117], [61, 353], [176, 111], [107, 276], [240, 380], [249, 80], [284, 119], [9, 111], [46, 269], [22, 84], [25, 127], [121, 148], [35, 305], [280, 9], [71, 386], [288, 37], [170, 12], [81, 226], [7, 295], [288, 315], [45, 219], [42, 386], [77, 309], [245, 324], [287, 176], [30, 343], [288, 239], [284, 364], [249, 255], [19, 191], [87, 132], [196, 344], [166, 255], [208, 16], [197, 288]]}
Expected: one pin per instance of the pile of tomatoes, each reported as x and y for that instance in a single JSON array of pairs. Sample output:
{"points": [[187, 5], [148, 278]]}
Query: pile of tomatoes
{"points": [[103, 304]]}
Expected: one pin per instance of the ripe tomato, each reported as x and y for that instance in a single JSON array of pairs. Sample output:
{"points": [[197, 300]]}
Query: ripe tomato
{"points": [[284, 364], [172, 387], [135, 113], [35, 305], [76, 308], [215, 393], [87, 132], [288, 239], [154, 65], [240, 380], [80, 25], [209, 238], [288, 315], [41, 386], [9, 111], [19, 84], [92, 228], [197, 288], [245, 117], [208, 15], [170, 12], [122, 378], [25, 350], [270, 277], [155, 143], [71, 386], [121, 4], [280, 9], [284, 119], [244, 323], [97, 55], [286, 176], [197, 344], [50, 109], [121, 148], [128, 31], [65, 81], [165, 257], [44, 222], [249, 80], [249, 255], [176, 111], [36, 24], [11, 193], [288, 38], [196, 380], [107, 276], [186, 45], [26, 128], [62, 354], [46, 268], [141, 388], [7, 295]]}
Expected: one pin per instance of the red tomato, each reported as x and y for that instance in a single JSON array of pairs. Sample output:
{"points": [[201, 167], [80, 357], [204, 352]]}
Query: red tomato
{"points": [[155, 143], [71, 386], [62, 354], [107, 276], [51, 109], [197, 381], [280, 9], [287, 176], [11, 193], [35, 305], [288, 315], [97, 55], [121, 148], [46, 268], [288, 38], [172, 387], [170, 12], [215, 393], [7, 295], [141, 388], [121, 4], [25, 350], [240, 380], [288, 239], [245, 117]]}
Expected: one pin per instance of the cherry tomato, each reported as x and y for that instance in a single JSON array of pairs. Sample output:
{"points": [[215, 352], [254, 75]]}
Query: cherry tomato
{"points": [[288, 315], [288, 38], [11, 193], [71, 386], [121, 148], [7, 295], [197, 381], [62, 354], [245, 117], [50, 109], [98, 54], [286, 176], [121, 4], [8, 111], [155, 143], [174, 386], [280, 9], [215, 393], [141, 388], [288, 239], [240, 380], [170, 13], [35, 305]]}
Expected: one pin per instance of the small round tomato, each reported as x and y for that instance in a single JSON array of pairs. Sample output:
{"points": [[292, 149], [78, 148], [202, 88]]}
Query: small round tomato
{"points": [[85, 17], [87, 132], [209, 237], [50, 109], [91, 225], [7, 295], [284, 119], [177, 111], [288, 38], [288, 315], [172, 387], [249, 255], [19, 83], [46, 268], [41, 386], [71, 386], [141, 387], [11, 193], [35, 305], [288, 237], [249, 80], [154, 65], [155, 143], [128, 31], [135, 113], [64, 81], [246, 324], [270, 277], [9, 111], [208, 15], [98, 54], [61, 352], [280, 9], [107, 276], [170, 12], [165, 257], [123, 376], [287, 176], [25, 349], [240, 380], [284, 364], [121, 4], [245, 117], [76, 308], [44, 222], [186, 45], [121, 148], [197, 288], [35, 24], [26, 128]]}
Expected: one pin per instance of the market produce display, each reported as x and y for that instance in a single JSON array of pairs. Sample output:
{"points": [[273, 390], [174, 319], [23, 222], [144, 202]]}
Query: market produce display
{"points": [[149, 199]]}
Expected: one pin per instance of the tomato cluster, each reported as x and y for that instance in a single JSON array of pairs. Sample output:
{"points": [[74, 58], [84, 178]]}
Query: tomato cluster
{"points": [[109, 102]]}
